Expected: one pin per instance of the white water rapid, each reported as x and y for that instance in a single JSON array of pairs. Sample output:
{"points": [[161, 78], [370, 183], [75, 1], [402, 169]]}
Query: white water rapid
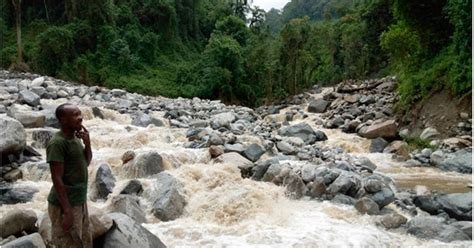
{"points": [[225, 210]]}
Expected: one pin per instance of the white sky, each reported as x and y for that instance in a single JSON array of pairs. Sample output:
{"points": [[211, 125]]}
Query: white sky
{"points": [[268, 4]]}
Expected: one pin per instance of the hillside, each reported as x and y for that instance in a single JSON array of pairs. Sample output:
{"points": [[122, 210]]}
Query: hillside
{"points": [[228, 50]]}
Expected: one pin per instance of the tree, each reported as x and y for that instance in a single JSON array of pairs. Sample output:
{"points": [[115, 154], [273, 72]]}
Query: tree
{"points": [[294, 37], [257, 19], [19, 49]]}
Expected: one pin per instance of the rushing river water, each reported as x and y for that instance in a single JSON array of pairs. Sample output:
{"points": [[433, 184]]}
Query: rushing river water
{"points": [[225, 210]]}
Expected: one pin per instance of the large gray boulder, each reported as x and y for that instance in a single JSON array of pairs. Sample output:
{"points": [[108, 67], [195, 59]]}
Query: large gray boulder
{"points": [[318, 106], [377, 145], [16, 221], [26, 116], [104, 181], [383, 197], [129, 205], [128, 233], [386, 129], [460, 161], [16, 194], [427, 203], [28, 97], [346, 183], [165, 194], [133, 187], [143, 120], [223, 120], [260, 168], [253, 152], [434, 228], [235, 159], [30, 241], [457, 205], [303, 131], [13, 135], [143, 165]]}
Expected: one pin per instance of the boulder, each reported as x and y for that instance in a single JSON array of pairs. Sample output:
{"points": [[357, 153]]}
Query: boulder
{"points": [[167, 201], [429, 134], [434, 228], [327, 175], [16, 194], [427, 203], [272, 172], [303, 131], [460, 161], [104, 181], [465, 226], [377, 145], [457, 205], [128, 205], [143, 120], [28, 97], [30, 241], [99, 222], [39, 81], [27, 117], [386, 129], [13, 139], [286, 148], [295, 187], [223, 120], [308, 172], [398, 147], [216, 151], [260, 168], [235, 159], [367, 206], [127, 233], [144, 165], [317, 188], [343, 199], [318, 106], [239, 148], [16, 221], [253, 152], [133, 187], [383, 197], [373, 185], [393, 220], [98, 113], [346, 183]]}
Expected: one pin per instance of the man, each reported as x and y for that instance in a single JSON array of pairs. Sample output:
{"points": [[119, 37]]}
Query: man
{"points": [[68, 159]]}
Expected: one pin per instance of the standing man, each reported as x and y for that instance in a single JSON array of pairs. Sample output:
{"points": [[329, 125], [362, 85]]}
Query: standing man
{"points": [[68, 159]]}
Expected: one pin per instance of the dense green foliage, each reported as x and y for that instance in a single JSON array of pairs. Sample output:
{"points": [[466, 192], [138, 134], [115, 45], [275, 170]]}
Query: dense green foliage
{"points": [[228, 50], [430, 47]]}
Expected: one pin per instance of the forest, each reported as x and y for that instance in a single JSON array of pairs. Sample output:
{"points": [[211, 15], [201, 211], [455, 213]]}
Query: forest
{"points": [[238, 53]]}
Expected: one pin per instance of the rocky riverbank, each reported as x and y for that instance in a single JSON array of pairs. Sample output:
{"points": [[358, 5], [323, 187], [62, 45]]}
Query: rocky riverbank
{"points": [[286, 144]]}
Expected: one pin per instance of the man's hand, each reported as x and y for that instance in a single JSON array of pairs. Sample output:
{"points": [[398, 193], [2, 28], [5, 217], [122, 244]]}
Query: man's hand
{"points": [[68, 219], [84, 135]]}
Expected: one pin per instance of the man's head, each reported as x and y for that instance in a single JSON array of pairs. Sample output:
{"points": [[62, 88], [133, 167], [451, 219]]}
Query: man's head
{"points": [[69, 116]]}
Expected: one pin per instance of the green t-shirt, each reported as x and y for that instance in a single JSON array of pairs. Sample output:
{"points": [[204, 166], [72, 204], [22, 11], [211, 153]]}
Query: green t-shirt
{"points": [[71, 153]]}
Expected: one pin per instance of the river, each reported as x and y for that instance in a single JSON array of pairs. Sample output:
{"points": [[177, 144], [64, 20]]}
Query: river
{"points": [[225, 210]]}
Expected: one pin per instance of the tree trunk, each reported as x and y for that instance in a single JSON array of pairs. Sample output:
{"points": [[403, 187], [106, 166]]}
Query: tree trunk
{"points": [[19, 49]]}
